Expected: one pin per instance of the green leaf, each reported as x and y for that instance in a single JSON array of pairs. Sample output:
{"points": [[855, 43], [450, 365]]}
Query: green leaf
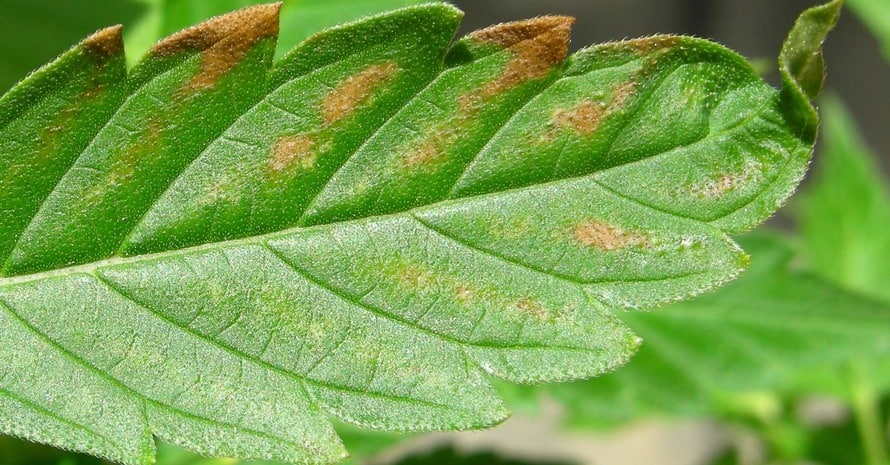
{"points": [[223, 253], [844, 210], [759, 334], [876, 15]]}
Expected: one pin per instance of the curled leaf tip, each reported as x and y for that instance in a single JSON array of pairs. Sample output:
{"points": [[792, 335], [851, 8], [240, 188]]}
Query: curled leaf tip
{"points": [[802, 65], [801, 54]]}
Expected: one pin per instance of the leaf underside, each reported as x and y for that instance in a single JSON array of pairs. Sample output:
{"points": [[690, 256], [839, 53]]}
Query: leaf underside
{"points": [[223, 252]]}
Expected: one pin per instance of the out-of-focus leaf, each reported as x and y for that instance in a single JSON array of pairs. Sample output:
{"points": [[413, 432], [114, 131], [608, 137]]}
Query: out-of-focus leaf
{"points": [[844, 215], [35, 31], [876, 15], [449, 456]]}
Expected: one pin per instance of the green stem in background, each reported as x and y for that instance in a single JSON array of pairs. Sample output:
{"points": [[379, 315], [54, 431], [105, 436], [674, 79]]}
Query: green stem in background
{"points": [[867, 414]]}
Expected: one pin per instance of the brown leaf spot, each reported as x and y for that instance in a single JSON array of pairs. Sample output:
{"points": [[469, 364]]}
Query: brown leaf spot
{"points": [[647, 45], [621, 94], [105, 43], [344, 99], [537, 46], [291, 151], [606, 237], [223, 41], [584, 118]]}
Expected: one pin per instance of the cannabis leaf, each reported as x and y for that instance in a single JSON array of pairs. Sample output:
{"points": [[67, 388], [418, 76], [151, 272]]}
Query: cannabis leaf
{"points": [[222, 252]]}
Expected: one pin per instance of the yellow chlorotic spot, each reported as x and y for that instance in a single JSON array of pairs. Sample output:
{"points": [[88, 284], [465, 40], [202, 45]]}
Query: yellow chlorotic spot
{"points": [[463, 293], [433, 146]]}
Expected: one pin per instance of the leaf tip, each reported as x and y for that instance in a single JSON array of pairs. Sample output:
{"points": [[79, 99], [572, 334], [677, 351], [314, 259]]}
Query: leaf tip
{"points": [[105, 43], [507, 35], [247, 25], [801, 57]]}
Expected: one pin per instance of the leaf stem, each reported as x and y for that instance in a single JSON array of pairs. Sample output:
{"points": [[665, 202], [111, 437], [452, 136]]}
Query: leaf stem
{"points": [[868, 421]]}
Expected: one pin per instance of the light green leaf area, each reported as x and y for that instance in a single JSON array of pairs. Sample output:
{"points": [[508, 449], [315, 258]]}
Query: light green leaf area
{"points": [[767, 332], [224, 253], [876, 15]]}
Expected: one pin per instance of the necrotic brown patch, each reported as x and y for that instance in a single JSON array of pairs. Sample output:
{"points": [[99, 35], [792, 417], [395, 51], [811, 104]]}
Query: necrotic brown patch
{"points": [[606, 237], [356, 90], [647, 45], [292, 151], [223, 41], [537, 46], [621, 94]]}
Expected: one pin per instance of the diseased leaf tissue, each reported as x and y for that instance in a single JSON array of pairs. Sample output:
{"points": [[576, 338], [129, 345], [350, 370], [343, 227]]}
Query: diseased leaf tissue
{"points": [[224, 252]]}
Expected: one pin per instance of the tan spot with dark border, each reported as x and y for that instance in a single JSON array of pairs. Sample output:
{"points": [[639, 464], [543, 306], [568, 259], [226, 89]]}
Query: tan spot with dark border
{"points": [[356, 90], [223, 41], [607, 237]]}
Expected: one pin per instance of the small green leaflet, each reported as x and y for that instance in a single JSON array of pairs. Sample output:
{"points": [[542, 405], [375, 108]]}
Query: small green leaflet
{"points": [[223, 253]]}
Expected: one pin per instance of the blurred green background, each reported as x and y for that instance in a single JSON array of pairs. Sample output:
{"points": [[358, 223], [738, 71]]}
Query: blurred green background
{"points": [[788, 365]]}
